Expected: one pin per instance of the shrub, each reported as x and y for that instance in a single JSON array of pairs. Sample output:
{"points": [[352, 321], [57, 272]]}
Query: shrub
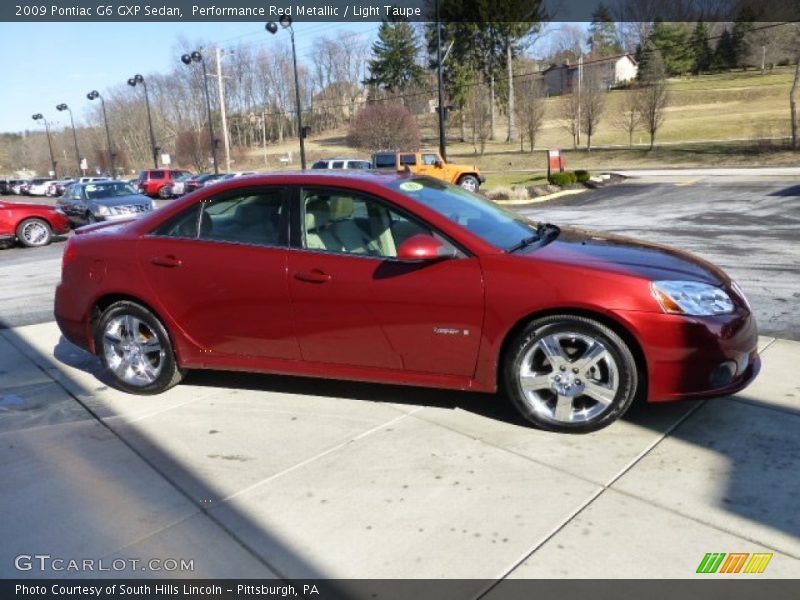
{"points": [[507, 193], [563, 179], [384, 127], [582, 176]]}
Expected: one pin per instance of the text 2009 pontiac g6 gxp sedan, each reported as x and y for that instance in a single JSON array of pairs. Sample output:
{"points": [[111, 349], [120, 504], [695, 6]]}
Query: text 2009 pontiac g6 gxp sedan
{"points": [[403, 279]]}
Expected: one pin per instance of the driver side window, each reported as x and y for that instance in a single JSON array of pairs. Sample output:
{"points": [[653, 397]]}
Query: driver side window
{"points": [[349, 223]]}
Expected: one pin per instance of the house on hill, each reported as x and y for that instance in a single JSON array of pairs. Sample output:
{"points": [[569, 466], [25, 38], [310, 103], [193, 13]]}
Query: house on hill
{"points": [[609, 71]]}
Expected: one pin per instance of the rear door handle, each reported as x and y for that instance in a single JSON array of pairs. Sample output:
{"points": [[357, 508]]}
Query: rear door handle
{"points": [[313, 276], [168, 261]]}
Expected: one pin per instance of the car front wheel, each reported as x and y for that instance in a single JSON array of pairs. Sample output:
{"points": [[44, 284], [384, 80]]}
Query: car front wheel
{"points": [[469, 183], [136, 350], [34, 232], [570, 374]]}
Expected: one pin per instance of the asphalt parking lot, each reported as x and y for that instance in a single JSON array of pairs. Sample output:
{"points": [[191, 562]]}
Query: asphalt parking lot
{"points": [[266, 476]]}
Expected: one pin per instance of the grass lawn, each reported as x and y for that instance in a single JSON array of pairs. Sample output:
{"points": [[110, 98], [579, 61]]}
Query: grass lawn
{"points": [[728, 119]]}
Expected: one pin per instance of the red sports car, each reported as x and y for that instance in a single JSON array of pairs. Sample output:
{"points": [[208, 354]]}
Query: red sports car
{"points": [[403, 279], [32, 224]]}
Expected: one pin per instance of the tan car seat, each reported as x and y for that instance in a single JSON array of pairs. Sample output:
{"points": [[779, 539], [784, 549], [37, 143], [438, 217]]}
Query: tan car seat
{"points": [[352, 238], [317, 220]]}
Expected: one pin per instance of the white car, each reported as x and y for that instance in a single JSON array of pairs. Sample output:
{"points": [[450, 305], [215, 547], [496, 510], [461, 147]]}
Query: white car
{"points": [[342, 163], [38, 186]]}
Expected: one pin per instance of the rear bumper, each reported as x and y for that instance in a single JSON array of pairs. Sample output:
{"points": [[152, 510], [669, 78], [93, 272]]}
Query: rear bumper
{"points": [[696, 357]]}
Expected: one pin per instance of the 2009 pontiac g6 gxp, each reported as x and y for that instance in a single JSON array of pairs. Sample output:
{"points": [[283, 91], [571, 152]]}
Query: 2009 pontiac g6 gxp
{"points": [[403, 279]]}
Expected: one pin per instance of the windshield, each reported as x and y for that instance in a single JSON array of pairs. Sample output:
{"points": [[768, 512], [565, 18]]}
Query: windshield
{"points": [[487, 220], [93, 191]]}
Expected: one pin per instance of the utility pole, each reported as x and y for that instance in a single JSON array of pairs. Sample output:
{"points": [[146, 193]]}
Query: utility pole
{"points": [[221, 88], [440, 79], [264, 134], [580, 83]]}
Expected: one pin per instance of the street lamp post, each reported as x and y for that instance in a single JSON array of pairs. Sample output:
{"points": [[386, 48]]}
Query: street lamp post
{"points": [[440, 86], [132, 82], [40, 117], [188, 59], [92, 96], [286, 22], [60, 108]]}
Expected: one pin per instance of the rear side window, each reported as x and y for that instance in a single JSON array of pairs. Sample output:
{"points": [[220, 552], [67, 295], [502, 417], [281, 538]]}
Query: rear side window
{"points": [[337, 164], [183, 225], [408, 159], [249, 217], [320, 164], [385, 161]]}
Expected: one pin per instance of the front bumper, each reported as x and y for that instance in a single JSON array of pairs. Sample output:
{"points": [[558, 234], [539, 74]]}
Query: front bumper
{"points": [[696, 357]]}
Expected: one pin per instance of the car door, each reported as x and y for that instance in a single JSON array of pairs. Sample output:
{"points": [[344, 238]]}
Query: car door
{"points": [[354, 303], [219, 270]]}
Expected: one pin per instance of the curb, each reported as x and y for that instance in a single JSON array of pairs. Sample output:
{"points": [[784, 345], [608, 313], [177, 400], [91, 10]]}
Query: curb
{"points": [[540, 199]]}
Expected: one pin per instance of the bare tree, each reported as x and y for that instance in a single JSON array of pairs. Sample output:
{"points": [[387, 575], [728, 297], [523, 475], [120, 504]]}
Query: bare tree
{"points": [[481, 115], [593, 103], [530, 108], [627, 118], [570, 113], [652, 98], [384, 126]]}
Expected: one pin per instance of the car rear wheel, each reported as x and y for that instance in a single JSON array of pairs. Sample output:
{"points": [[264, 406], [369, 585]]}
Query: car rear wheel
{"points": [[136, 350], [570, 374], [165, 193], [34, 232], [469, 182]]}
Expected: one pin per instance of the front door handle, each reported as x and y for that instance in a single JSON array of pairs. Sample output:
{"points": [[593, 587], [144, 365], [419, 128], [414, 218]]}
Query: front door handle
{"points": [[168, 261], [313, 276]]}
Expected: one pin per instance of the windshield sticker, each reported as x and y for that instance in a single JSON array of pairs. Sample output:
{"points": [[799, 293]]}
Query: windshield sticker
{"points": [[90, 188], [411, 186]]}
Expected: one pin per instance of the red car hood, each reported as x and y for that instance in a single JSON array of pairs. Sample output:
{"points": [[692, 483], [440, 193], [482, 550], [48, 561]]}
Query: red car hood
{"points": [[582, 247]]}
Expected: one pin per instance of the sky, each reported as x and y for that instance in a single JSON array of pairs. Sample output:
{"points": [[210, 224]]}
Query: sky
{"points": [[45, 64]]}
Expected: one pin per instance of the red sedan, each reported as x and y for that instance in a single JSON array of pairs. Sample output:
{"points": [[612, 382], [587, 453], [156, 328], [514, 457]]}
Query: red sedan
{"points": [[403, 279], [32, 224]]}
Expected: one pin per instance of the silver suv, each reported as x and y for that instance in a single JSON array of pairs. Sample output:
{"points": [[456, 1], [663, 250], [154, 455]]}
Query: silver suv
{"points": [[342, 163]]}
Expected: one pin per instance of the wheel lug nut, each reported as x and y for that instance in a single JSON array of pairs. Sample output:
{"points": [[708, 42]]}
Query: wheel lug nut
{"points": [[575, 370], [577, 382], [558, 378], [562, 368]]}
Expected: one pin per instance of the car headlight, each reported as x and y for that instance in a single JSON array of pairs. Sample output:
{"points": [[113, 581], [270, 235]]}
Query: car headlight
{"points": [[153, 205], [102, 210], [691, 298]]}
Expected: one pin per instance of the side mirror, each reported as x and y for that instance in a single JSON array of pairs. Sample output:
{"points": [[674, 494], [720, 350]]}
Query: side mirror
{"points": [[438, 164], [423, 247]]}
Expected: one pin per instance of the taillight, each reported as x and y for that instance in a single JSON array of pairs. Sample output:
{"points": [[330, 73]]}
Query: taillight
{"points": [[70, 253]]}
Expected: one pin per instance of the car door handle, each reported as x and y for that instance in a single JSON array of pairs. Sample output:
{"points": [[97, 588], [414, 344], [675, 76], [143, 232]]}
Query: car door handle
{"points": [[168, 261], [313, 276]]}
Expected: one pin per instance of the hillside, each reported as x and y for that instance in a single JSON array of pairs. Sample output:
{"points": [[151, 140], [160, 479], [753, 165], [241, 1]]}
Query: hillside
{"points": [[731, 119]]}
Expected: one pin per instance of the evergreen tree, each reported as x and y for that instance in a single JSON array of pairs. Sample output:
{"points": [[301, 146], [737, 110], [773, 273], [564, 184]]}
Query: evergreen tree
{"points": [[742, 26], [725, 53], [701, 49], [672, 41], [394, 66], [603, 39]]}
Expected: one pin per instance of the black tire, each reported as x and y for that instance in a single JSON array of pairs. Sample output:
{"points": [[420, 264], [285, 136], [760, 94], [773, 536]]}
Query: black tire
{"points": [[615, 375], [90, 218], [165, 193], [169, 372], [469, 182], [34, 233]]}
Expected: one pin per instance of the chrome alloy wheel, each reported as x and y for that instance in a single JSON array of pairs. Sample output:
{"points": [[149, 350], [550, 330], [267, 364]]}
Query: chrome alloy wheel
{"points": [[569, 377], [35, 233], [132, 350]]}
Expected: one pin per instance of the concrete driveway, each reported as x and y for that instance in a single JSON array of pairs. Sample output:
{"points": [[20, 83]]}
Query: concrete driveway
{"points": [[264, 476]]}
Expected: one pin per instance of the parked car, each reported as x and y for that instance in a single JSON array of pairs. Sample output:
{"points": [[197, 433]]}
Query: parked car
{"points": [[342, 163], [227, 176], [176, 188], [56, 188], [198, 181], [5, 186], [30, 224], [431, 164], [151, 181], [108, 200], [18, 186], [403, 279], [38, 186]]}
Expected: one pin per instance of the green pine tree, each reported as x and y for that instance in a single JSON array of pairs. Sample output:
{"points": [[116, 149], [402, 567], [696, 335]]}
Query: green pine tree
{"points": [[603, 38], [394, 66], [701, 49]]}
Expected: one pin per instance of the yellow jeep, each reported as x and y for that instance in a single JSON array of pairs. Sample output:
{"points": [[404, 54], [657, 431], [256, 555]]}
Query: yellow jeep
{"points": [[430, 163]]}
